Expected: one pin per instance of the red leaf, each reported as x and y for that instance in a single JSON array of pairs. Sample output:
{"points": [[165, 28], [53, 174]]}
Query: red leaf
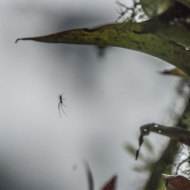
{"points": [[177, 182], [111, 185]]}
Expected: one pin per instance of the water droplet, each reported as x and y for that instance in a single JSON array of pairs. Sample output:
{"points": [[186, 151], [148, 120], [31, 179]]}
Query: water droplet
{"points": [[186, 48], [155, 125], [159, 131], [145, 130]]}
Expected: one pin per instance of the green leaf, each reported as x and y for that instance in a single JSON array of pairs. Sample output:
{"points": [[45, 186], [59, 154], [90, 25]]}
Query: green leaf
{"points": [[164, 41]]}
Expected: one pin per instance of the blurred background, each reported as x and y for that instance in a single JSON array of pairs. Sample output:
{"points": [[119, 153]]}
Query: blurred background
{"points": [[109, 93]]}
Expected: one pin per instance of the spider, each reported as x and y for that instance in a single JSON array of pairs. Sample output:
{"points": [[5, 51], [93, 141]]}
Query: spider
{"points": [[60, 104]]}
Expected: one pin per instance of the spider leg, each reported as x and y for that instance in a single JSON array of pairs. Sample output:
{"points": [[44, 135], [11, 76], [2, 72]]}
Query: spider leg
{"points": [[59, 109], [59, 112], [65, 105], [62, 109]]}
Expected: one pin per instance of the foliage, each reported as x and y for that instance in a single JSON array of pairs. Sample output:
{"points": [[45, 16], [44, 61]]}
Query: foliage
{"points": [[162, 30], [110, 185], [176, 182]]}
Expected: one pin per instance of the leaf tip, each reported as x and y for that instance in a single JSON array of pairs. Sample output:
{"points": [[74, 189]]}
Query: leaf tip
{"points": [[18, 39], [137, 154]]}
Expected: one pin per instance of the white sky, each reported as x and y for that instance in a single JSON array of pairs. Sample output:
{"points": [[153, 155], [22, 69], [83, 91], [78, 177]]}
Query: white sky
{"points": [[108, 99]]}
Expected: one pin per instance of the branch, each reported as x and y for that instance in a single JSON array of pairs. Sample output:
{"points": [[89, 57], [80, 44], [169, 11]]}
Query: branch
{"points": [[177, 133], [155, 7], [162, 165]]}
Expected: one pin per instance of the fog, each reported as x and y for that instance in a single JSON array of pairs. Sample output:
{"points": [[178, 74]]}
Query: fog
{"points": [[109, 95]]}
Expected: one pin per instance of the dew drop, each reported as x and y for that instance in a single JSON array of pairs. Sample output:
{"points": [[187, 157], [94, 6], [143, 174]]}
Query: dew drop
{"points": [[155, 125], [145, 130], [159, 131], [187, 49]]}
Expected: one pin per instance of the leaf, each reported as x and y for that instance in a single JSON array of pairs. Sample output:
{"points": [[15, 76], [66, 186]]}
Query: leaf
{"points": [[141, 140], [176, 133], [176, 72], [89, 176], [167, 42], [111, 185], [176, 182]]}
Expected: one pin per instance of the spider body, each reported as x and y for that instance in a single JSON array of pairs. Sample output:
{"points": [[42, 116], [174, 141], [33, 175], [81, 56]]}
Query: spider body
{"points": [[60, 104]]}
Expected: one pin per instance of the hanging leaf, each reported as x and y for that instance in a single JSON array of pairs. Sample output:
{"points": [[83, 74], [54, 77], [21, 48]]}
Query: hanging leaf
{"points": [[176, 133]]}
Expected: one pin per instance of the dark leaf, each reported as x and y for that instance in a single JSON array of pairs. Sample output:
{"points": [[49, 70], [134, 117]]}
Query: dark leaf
{"points": [[89, 176], [176, 182]]}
